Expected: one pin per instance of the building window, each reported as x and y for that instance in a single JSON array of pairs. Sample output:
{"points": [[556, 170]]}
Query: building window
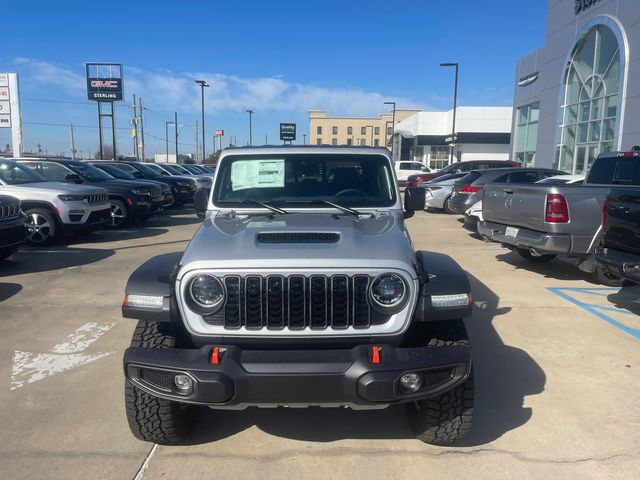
{"points": [[319, 130], [376, 142], [334, 141], [363, 130], [349, 130], [363, 142], [591, 116], [349, 141], [319, 141], [335, 130], [376, 131], [527, 134], [439, 157]]}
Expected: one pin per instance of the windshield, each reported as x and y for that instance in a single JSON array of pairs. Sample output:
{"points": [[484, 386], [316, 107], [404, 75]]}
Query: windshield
{"points": [[174, 169], [116, 172], [89, 172], [16, 174], [195, 169], [290, 179], [154, 169]]}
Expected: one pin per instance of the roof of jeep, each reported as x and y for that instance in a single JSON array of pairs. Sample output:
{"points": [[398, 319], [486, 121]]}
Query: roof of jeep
{"points": [[306, 149]]}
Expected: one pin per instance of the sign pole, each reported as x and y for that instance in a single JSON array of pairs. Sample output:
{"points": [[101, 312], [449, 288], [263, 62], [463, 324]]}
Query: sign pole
{"points": [[113, 129], [100, 130]]}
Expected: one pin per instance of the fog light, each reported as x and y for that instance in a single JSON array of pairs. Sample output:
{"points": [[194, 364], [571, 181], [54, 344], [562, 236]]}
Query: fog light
{"points": [[183, 384], [411, 382]]}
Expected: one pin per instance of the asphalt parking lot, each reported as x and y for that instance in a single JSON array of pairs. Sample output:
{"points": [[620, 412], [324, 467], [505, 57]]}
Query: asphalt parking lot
{"points": [[556, 357]]}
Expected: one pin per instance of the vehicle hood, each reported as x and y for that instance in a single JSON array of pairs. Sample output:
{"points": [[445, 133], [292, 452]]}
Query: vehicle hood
{"points": [[31, 190], [225, 241]]}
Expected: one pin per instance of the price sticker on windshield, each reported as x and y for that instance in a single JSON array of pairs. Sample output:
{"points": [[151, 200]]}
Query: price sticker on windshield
{"points": [[246, 174]]}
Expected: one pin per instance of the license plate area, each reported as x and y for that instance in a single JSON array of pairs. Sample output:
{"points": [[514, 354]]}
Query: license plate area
{"points": [[511, 232]]}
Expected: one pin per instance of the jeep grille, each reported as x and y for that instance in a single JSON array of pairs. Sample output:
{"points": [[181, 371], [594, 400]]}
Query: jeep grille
{"points": [[9, 210], [97, 198]]}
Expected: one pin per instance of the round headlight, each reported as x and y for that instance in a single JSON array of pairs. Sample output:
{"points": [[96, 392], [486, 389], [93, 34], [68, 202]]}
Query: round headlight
{"points": [[388, 290], [206, 291]]}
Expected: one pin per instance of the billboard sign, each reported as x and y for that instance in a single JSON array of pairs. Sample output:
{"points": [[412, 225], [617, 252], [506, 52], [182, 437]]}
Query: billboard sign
{"points": [[219, 133], [104, 82], [287, 132]]}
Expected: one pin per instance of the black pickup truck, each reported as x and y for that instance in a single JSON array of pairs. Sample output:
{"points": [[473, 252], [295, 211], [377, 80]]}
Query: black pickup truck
{"points": [[620, 253]]}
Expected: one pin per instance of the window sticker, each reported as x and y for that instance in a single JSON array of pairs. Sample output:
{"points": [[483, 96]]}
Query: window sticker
{"points": [[247, 174]]}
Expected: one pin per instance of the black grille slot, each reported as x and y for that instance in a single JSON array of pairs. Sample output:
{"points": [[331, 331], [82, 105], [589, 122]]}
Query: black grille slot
{"points": [[253, 302], [10, 210], [318, 302], [340, 301], [232, 307], [361, 309], [157, 378], [297, 301], [275, 301], [437, 377], [299, 237]]}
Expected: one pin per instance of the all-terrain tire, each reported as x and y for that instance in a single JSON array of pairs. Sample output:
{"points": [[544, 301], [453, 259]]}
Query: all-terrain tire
{"points": [[526, 254], [446, 419], [150, 418]]}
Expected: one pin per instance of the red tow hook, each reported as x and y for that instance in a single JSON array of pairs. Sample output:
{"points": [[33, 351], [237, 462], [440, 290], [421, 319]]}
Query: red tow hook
{"points": [[376, 352], [215, 356]]}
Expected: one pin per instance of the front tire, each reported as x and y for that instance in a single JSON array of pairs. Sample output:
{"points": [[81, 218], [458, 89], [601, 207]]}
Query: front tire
{"points": [[150, 418], [526, 254], [447, 206], [606, 278], [41, 226], [446, 419], [119, 214]]}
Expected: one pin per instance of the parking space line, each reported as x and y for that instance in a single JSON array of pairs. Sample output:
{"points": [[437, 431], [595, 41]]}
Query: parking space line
{"points": [[145, 464], [597, 309]]}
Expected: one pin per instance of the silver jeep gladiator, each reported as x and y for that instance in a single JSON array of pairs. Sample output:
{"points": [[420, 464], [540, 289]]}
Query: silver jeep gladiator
{"points": [[301, 288]]}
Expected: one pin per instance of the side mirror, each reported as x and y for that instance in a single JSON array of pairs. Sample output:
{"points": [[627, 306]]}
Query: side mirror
{"points": [[200, 202], [72, 177], [414, 200]]}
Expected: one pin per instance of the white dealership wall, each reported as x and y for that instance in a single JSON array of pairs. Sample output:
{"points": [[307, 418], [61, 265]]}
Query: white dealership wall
{"points": [[568, 22]]}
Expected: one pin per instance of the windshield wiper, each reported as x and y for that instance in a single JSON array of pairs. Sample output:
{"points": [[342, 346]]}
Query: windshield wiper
{"points": [[265, 205], [342, 208]]}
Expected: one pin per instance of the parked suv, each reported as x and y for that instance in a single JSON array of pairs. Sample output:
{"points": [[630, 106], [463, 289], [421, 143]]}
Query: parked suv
{"points": [[12, 230], [53, 207], [159, 204], [202, 181], [301, 287], [467, 191], [460, 167], [183, 188], [130, 200]]}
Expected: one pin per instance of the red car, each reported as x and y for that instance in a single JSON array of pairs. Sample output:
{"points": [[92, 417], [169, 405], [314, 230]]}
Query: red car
{"points": [[460, 167]]}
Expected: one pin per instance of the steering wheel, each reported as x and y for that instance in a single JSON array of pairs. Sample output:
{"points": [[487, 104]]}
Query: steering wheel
{"points": [[355, 191]]}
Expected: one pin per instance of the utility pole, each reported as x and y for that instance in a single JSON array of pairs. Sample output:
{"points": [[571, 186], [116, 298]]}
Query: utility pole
{"points": [[304, 138], [141, 132], [203, 85], [197, 145], [455, 107], [134, 121], [73, 144], [166, 141], [266, 139], [175, 118], [250, 112]]}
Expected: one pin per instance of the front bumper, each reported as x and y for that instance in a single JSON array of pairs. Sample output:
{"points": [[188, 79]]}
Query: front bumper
{"points": [[620, 264], [303, 377], [12, 232], [90, 220], [543, 242]]}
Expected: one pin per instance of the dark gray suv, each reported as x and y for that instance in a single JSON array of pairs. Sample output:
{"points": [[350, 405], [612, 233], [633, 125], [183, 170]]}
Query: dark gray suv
{"points": [[468, 190]]}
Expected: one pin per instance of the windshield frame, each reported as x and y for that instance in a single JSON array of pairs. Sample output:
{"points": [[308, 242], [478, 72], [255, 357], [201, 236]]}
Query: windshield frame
{"points": [[308, 203]]}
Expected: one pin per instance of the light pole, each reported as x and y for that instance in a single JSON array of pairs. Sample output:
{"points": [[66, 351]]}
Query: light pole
{"points": [[176, 125], [455, 106], [304, 138], [203, 84], [250, 112], [166, 140], [393, 125]]}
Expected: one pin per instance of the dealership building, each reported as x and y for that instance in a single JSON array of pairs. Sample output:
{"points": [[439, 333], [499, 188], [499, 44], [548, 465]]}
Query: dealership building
{"points": [[579, 95]]}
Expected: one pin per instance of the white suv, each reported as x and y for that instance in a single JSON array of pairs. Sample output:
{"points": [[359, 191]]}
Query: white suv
{"points": [[53, 207]]}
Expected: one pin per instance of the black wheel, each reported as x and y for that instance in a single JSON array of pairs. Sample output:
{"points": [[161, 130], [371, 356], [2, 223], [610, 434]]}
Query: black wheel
{"points": [[41, 226], [119, 214], [447, 206], [8, 251], [150, 418], [606, 278], [446, 419], [539, 258]]}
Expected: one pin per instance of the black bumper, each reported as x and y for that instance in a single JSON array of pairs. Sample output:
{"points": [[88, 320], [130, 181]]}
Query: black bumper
{"points": [[288, 377], [618, 263], [12, 232]]}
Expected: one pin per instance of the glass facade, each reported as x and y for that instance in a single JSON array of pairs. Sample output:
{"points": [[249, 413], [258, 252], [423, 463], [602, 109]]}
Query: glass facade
{"points": [[590, 113], [528, 118]]}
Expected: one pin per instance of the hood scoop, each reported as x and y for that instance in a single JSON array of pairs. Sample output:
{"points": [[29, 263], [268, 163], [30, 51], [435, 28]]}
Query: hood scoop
{"points": [[298, 237]]}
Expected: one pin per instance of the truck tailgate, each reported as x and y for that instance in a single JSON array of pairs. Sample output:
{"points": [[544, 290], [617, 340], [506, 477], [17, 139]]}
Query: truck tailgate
{"points": [[516, 204]]}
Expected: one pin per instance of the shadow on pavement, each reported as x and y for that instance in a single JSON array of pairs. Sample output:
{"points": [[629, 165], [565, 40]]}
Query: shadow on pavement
{"points": [[131, 232], [8, 290], [504, 375], [628, 298], [558, 269], [171, 221], [55, 257]]}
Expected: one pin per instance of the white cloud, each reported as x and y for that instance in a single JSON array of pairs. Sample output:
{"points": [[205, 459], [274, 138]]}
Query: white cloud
{"points": [[169, 91]]}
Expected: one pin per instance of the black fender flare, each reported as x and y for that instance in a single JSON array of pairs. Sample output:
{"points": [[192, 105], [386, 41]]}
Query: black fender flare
{"points": [[441, 275], [155, 277]]}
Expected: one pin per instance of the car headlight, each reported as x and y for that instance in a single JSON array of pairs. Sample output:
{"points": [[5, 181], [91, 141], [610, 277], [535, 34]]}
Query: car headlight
{"points": [[141, 191], [72, 198], [388, 292], [206, 293]]}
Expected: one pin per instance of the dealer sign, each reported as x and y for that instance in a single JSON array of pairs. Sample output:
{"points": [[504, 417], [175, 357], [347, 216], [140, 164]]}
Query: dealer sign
{"points": [[287, 132], [104, 89]]}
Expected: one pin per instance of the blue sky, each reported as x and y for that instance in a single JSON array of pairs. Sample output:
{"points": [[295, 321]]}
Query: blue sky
{"points": [[277, 57]]}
